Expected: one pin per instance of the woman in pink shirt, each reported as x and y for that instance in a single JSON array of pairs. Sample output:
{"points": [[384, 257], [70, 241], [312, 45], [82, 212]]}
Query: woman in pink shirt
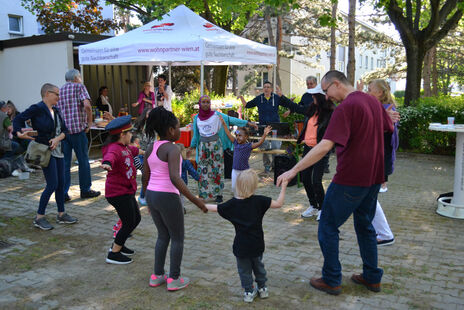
{"points": [[146, 98], [162, 182], [121, 184]]}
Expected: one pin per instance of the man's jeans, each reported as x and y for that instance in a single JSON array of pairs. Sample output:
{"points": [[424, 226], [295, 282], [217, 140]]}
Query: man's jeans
{"points": [[77, 142], [340, 202]]}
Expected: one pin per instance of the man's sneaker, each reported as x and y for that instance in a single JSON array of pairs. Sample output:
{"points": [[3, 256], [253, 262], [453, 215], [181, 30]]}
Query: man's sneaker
{"points": [[319, 284], [66, 219], [218, 199], [385, 242], [42, 223], [142, 201], [263, 292], [358, 279], [318, 218], [383, 189], [311, 211], [90, 194], [250, 296], [117, 258], [157, 280], [16, 172], [67, 198], [179, 283]]}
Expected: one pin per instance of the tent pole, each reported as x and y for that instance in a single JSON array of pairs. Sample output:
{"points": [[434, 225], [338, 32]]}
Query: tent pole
{"points": [[169, 66], [82, 73], [202, 77]]}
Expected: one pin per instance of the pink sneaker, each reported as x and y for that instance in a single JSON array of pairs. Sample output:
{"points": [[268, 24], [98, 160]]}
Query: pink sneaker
{"points": [[179, 283], [157, 280]]}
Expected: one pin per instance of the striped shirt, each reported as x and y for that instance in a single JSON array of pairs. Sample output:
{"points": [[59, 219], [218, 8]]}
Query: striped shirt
{"points": [[71, 104]]}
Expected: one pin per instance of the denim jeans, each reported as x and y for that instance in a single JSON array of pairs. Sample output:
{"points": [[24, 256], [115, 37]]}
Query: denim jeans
{"points": [[340, 202], [245, 268], [77, 142], [54, 176]]}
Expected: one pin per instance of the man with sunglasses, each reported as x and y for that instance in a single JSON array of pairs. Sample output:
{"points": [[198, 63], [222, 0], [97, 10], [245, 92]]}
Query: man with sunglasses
{"points": [[268, 110], [356, 129]]}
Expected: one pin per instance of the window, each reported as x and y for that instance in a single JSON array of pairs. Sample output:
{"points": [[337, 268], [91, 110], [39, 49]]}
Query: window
{"points": [[372, 63], [360, 61], [261, 79], [341, 53], [366, 63], [15, 24]]}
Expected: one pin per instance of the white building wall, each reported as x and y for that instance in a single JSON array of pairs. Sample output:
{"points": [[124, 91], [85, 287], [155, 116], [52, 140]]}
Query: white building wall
{"points": [[25, 69], [30, 25]]}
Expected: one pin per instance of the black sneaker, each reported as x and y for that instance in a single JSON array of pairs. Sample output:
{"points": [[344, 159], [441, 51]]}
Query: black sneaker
{"points": [[42, 223], [67, 198], [66, 219], [385, 242], [218, 199], [117, 258], [90, 194], [127, 251]]}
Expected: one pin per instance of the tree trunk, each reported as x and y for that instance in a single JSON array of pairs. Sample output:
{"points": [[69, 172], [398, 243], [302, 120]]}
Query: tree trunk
{"points": [[278, 47], [219, 80], [351, 67], [234, 80], [333, 44], [434, 72], [415, 54], [427, 74]]}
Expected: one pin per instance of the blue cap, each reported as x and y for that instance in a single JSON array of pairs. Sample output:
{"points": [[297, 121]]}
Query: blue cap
{"points": [[119, 125]]}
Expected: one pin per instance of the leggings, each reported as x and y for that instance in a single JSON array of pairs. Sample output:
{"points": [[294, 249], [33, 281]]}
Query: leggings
{"points": [[128, 212], [54, 176], [312, 180], [168, 216]]}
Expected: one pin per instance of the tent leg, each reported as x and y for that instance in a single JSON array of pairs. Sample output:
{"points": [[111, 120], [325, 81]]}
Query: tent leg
{"points": [[202, 78], [274, 76], [82, 73], [169, 66]]}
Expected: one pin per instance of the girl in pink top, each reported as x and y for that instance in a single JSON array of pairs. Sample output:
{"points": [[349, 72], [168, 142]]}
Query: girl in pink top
{"points": [[146, 98], [162, 181]]}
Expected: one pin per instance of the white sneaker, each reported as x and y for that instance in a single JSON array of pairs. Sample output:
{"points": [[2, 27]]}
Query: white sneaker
{"points": [[16, 172], [249, 297], [383, 189], [263, 292], [318, 215], [311, 211]]}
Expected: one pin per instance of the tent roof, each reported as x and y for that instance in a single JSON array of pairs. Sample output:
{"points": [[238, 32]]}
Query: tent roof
{"points": [[180, 38]]}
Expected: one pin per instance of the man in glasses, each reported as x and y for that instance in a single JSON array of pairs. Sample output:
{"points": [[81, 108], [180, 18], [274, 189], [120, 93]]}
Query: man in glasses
{"points": [[356, 130], [268, 110]]}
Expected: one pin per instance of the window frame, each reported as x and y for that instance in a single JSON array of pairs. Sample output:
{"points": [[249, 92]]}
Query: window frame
{"points": [[20, 23]]}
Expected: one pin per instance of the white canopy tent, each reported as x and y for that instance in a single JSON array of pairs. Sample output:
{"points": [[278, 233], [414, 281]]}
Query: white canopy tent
{"points": [[180, 38]]}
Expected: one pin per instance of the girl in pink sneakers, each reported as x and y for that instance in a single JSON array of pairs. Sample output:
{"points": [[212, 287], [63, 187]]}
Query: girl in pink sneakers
{"points": [[162, 183], [246, 212]]}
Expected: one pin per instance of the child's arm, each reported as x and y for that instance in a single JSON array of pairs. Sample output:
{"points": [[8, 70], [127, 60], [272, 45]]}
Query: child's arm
{"points": [[226, 129], [280, 201], [211, 207], [193, 173], [267, 130]]}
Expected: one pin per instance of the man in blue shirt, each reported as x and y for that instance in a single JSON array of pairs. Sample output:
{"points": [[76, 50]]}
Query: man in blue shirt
{"points": [[268, 110]]}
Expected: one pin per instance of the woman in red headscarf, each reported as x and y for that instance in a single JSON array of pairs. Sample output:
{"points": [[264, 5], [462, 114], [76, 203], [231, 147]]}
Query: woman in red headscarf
{"points": [[210, 141]]}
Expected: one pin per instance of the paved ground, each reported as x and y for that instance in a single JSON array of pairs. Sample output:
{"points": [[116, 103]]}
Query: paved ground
{"points": [[65, 267]]}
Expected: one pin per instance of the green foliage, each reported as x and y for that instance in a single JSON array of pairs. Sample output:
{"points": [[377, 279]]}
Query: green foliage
{"points": [[413, 128], [399, 94]]}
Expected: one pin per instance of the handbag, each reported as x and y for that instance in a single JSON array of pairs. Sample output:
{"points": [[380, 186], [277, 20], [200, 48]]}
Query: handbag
{"points": [[38, 154]]}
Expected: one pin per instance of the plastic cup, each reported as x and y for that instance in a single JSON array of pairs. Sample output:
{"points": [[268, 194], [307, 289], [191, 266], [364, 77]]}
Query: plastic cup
{"points": [[23, 175], [450, 120], [274, 133]]}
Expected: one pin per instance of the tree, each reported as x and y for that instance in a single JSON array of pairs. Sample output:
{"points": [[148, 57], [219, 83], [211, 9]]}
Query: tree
{"points": [[351, 67], [421, 26], [333, 29], [70, 16]]}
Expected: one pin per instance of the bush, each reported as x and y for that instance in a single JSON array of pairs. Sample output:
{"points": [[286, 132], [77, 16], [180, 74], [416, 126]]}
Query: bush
{"points": [[413, 128]]}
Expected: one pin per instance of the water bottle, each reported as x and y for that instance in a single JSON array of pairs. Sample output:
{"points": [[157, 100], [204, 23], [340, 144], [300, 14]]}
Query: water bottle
{"points": [[97, 113]]}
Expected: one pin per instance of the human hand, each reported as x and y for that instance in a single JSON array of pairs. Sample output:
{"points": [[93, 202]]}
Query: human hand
{"points": [[53, 143], [106, 167], [360, 85], [286, 113], [135, 104], [201, 205], [253, 124], [285, 177], [24, 135], [267, 130], [107, 116], [278, 91], [394, 115], [88, 127], [222, 120]]}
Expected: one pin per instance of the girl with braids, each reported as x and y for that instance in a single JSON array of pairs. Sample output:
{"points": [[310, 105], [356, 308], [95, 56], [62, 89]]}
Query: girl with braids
{"points": [[121, 184], [162, 183], [210, 141]]}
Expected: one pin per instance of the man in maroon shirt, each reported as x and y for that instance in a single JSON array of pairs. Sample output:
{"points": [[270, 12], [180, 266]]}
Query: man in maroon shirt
{"points": [[356, 130]]}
